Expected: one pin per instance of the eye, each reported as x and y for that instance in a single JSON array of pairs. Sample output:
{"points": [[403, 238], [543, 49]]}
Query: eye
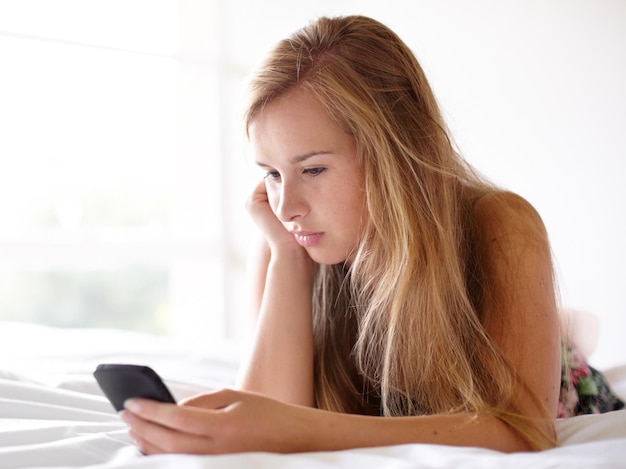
{"points": [[272, 176], [314, 171]]}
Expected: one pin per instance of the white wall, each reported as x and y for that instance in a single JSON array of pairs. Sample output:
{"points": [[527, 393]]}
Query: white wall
{"points": [[535, 93]]}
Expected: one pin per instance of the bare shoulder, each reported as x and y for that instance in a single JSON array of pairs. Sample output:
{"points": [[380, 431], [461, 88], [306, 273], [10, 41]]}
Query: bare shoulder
{"points": [[512, 247], [505, 215]]}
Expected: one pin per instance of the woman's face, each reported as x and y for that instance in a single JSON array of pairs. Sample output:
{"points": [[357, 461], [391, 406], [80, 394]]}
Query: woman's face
{"points": [[314, 182]]}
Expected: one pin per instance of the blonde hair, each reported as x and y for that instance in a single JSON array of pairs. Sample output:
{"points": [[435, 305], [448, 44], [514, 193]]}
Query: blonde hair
{"points": [[397, 332]]}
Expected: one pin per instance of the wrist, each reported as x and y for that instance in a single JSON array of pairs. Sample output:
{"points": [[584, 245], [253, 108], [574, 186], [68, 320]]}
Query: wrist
{"points": [[322, 430], [295, 257]]}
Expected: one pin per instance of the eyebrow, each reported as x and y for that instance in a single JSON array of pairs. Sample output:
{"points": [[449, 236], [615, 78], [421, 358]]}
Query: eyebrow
{"points": [[300, 158]]}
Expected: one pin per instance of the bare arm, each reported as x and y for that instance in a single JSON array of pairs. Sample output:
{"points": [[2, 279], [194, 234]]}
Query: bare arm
{"points": [[281, 360]]}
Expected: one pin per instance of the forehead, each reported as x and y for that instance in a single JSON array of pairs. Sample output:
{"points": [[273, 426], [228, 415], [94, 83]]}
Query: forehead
{"points": [[295, 123], [293, 106]]}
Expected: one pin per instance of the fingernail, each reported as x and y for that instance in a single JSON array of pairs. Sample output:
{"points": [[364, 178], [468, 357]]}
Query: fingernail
{"points": [[132, 405]]}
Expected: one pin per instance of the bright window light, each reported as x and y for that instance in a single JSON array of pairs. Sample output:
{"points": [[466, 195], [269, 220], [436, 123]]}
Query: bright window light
{"points": [[110, 182]]}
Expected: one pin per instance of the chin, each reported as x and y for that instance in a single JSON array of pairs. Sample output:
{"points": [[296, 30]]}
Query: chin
{"points": [[328, 258], [326, 261]]}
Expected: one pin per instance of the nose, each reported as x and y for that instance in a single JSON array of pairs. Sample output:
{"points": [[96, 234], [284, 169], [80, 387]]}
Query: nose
{"points": [[292, 203]]}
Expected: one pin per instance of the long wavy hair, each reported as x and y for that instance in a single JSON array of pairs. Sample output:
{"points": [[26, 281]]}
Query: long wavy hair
{"points": [[398, 332]]}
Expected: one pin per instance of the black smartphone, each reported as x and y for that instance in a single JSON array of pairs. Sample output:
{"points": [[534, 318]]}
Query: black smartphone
{"points": [[121, 382]]}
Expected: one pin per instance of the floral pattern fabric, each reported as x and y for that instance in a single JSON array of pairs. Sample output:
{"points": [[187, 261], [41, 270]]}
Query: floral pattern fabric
{"points": [[584, 390]]}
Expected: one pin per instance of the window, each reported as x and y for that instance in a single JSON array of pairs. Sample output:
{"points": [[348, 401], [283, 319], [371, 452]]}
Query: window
{"points": [[114, 206]]}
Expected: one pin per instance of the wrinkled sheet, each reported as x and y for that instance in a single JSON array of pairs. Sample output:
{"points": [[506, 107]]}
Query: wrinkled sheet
{"points": [[53, 415]]}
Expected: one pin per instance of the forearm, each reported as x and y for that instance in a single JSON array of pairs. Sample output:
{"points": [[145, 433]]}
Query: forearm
{"points": [[229, 421], [329, 431], [281, 360]]}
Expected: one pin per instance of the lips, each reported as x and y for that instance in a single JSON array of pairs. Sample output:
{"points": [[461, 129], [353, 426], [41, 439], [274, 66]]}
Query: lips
{"points": [[307, 239]]}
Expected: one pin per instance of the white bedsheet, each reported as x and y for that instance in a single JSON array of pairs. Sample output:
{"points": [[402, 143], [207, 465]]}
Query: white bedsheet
{"points": [[53, 415]]}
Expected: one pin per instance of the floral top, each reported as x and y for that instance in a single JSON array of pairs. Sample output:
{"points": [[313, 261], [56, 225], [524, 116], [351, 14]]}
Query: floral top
{"points": [[584, 389]]}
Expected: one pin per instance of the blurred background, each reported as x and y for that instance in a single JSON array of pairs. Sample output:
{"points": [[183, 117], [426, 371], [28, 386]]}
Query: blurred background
{"points": [[123, 167]]}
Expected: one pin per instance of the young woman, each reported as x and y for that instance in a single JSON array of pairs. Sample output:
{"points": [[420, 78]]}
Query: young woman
{"points": [[401, 298]]}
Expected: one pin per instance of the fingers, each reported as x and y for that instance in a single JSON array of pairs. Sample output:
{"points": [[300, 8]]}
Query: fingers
{"points": [[168, 428], [152, 438], [259, 195], [183, 419], [259, 208]]}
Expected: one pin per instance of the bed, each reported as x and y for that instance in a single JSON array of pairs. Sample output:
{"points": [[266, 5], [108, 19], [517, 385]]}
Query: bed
{"points": [[52, 413]]}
